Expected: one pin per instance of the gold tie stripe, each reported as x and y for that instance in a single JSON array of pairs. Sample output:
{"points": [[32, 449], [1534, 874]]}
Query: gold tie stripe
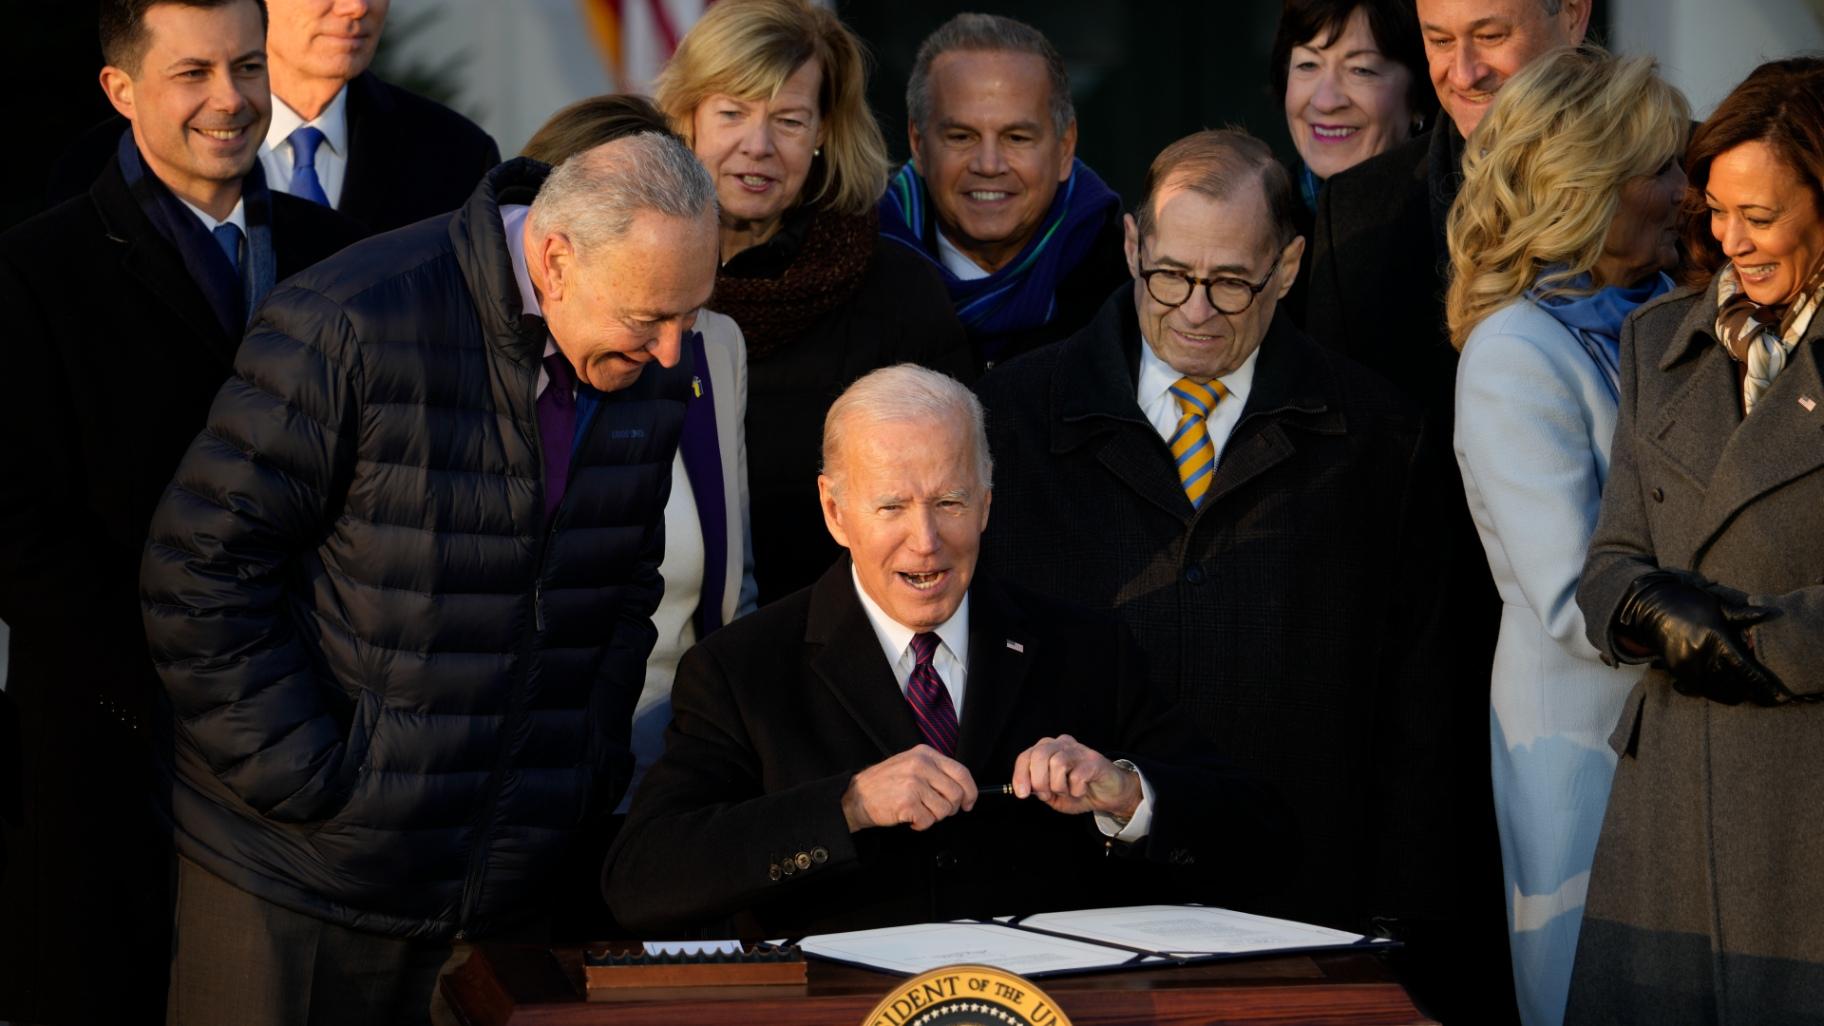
{"points": [[1190, 444]]}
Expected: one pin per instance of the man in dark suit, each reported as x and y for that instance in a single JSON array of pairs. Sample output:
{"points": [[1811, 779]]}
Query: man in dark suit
{"points": [[378, 153], [828, 757], [1377, 294], [125, 310], [1377, 278], [1026, 237], [1260, 512]]}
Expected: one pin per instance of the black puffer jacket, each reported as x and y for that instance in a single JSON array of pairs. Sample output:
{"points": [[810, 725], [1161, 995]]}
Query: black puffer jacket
{"points": [[396, 690]]}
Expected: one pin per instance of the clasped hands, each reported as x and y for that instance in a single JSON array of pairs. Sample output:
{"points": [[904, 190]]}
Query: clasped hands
{"points": [[1701, 636], [921, 786]]}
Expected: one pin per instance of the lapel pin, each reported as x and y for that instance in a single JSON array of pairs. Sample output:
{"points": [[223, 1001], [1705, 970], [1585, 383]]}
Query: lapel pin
{"points": [[696, 387], [1808, 402], [1016, 646]]}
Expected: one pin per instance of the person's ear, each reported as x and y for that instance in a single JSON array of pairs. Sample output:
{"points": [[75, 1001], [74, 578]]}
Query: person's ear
{"points": [[1067, 154], [1130, 243], [117, 85], [556, 264], [1288, 264], [832, 510]]}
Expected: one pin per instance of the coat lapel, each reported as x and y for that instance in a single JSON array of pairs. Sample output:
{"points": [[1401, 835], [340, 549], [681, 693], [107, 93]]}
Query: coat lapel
{"points": [[368, 147], [148, 258], [1780, 441], [848, 660], [1686, 433], [1000, 652], [1260, 440]]}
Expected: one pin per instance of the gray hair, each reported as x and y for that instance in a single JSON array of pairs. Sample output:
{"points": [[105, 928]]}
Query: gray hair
{"points": [[907, 392], [594, 196], [987, 32]]}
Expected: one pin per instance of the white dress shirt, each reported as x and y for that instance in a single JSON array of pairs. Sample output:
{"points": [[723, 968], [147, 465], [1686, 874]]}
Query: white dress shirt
{"points": [[236, 217], [332, 156], [1161, 407], [951, 661], [956, 261], [513, 222]]}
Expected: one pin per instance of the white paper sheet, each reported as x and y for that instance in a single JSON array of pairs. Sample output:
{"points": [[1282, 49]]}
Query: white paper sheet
{"points": [[917, 949], [1189, 930]]}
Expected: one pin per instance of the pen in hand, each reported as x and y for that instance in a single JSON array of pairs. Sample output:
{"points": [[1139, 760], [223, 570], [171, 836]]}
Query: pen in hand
{"points": [[998, 789]]}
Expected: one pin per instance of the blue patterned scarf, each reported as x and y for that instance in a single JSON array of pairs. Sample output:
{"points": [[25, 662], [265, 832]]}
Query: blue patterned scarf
{"points": [[1595, 320], [1023, 294], [233, 296]]}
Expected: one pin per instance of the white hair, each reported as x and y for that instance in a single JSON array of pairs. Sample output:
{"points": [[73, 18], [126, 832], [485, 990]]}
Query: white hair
{"points": [[593, 197], [907, 392]]}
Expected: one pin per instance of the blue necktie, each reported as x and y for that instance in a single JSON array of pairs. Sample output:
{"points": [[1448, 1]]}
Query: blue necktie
{"points": [[228, 237], [931, 705], [304, 181]]}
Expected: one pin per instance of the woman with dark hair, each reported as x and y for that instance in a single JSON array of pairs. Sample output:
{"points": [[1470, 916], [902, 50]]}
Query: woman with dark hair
{"points": [[772, 96], [1704, 904], [1352, 74]]}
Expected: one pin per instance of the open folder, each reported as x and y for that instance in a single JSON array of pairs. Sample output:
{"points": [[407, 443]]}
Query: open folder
{"points": [[1055, 943]]}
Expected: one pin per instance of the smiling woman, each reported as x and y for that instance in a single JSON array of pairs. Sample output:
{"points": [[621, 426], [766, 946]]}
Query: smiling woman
{"points": [[1352, 76], [771, 95]]}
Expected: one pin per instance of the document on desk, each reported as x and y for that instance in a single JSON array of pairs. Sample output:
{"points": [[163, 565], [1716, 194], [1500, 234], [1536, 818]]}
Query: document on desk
{"points": [[1054, 943], [1189, 931], [920, 948]]}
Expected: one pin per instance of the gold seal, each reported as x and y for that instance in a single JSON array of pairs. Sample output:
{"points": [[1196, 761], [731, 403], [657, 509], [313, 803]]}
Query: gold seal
{"points": [[966, 995]]}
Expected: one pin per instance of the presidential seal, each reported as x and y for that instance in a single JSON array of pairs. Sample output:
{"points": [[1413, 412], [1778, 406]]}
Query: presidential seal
{"points": [[966, 995]]}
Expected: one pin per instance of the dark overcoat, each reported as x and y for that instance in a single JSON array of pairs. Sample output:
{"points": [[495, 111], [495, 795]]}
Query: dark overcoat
{"points": [[1705, 905], [1292, 616], [111, 358], [775, 714]]}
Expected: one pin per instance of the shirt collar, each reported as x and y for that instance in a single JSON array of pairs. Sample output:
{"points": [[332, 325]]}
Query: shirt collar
{"points": [[236, 217], [895, 637], [513, 220], [1157, 377], [956, 261], [332, 122]]}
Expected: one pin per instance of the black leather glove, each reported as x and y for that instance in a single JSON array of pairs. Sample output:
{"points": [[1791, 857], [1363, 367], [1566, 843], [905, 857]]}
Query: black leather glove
{"points": [[1698, 635]]}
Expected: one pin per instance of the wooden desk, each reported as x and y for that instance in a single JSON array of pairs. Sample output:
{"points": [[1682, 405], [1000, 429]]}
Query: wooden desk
{"points": [[528, 986]]}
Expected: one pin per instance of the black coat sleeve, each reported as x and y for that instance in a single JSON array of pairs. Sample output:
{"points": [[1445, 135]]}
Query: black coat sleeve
{"points": [[252, 497]]}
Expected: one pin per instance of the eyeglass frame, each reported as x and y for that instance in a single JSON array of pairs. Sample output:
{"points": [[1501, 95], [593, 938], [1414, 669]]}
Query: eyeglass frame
{"points": [[1254, 291]]}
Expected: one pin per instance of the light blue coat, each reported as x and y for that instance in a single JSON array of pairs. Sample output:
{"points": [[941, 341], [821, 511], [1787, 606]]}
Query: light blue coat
{"points": [[1535, 418]]}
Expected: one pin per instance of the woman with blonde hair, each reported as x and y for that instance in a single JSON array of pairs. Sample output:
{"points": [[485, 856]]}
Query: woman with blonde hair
{"points": [[1567, 221], [772, 96]]}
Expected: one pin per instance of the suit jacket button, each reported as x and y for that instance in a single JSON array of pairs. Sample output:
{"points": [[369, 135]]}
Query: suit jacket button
{"points": [[773, 871], [787, 866], [944, 860], [803, 860], [1659, 495], [1193, 575], [820, 855]]}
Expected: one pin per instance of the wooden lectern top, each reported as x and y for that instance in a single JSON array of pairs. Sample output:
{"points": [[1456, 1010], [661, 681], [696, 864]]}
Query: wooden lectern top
{"points": [[507, 985]]}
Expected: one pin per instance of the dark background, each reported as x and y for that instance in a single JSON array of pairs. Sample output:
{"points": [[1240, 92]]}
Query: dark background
{"points": [[1143, 73]]}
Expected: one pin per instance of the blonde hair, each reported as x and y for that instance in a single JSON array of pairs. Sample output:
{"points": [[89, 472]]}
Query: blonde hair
{"points": [[747, 49], [1543, 174]]}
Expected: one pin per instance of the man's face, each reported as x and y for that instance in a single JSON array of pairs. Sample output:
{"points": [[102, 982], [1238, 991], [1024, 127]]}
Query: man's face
{"points": [[613, 310], [907, 505], [1200, 237], [1473, 46], [198, 101], [991, 155], [326, 39]]}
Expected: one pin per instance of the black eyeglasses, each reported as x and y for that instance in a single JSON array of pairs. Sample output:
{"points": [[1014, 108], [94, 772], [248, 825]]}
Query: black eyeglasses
{"points": [[1229, 295]]}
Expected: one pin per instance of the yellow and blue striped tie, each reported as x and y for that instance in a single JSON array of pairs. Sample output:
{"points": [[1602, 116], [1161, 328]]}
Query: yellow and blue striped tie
{"points": [[1191, 442]]}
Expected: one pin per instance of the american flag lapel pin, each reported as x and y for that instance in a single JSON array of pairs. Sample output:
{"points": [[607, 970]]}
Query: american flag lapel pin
{"points": [[1808, 402], [1016, 646]]}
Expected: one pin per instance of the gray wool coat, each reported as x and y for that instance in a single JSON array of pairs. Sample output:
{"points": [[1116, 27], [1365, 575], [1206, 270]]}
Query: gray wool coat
{"points": [[1706, 904]]}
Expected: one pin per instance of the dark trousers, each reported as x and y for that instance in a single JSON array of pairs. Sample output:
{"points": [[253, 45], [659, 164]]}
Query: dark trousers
{"points": [[240, 960]]}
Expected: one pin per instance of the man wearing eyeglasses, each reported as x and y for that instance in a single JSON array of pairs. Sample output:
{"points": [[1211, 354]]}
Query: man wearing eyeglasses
{"points": [[1260, 512]]}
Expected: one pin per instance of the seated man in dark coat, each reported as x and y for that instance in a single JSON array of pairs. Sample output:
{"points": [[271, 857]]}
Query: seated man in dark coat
{"points": [[1025, 236], [124, 307], [832, 759], [400, 588], [1262, 514]]}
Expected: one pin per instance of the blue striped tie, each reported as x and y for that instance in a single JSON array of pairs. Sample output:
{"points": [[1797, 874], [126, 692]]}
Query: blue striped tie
{"points": [[1190, 444]]}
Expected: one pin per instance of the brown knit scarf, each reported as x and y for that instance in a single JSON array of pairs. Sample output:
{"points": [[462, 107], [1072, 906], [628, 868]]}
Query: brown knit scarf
{"points": [[824, 274]]}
